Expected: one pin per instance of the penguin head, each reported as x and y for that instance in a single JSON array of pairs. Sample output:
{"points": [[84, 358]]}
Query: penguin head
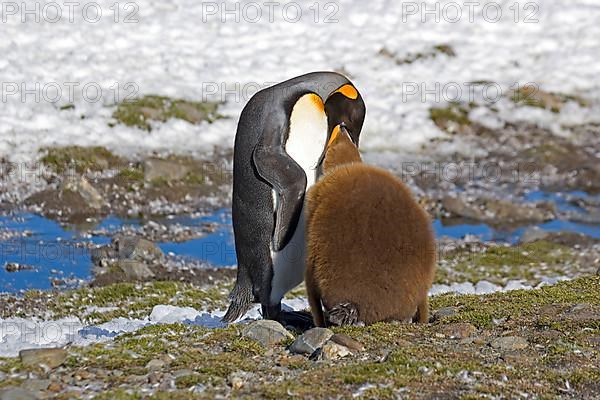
{"points": [[340, 149], [346, 106]]}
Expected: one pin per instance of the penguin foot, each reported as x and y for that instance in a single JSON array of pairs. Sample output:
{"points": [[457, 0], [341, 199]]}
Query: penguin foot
{"points": [[343, 314], [299, 320], [241, 300]]}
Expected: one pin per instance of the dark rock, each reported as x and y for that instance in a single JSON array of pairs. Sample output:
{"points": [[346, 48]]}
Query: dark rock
{"points": [[311, 340], [443, 313], [134, 248], [128, 248], [14, 267], [266, 332], [135, 270], [347, 341]]}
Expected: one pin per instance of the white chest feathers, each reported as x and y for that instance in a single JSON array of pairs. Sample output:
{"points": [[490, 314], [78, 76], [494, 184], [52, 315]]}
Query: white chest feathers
{"points": [[306, 141], [308, 134]]}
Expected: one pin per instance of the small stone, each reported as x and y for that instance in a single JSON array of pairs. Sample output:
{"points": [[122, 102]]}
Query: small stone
{"points": [[51, 358], [79, 185], [347, 341], [443, 313], [459, 330], [155, 365], [82, 374], [509, 343], [16, 393], [135, 248], [182, 372], [55, 387], [266, 332], [14, 267], [334, 351], [238, 379], [154, 377], [35, 385], [311, 340]]}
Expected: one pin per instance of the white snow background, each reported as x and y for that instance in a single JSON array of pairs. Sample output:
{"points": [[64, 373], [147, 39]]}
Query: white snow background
{"points": [[178, 49]]}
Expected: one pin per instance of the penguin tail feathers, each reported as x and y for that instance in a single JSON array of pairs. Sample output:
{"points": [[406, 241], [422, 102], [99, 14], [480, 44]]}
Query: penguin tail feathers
{"points": [[241, 299]]}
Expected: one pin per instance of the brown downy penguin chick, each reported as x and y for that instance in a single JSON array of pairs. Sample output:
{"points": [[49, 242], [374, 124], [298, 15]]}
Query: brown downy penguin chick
{"points": [[371, 248]]}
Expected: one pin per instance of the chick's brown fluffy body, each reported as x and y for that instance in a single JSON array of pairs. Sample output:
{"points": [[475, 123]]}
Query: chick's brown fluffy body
{"points": [[370, 244]]}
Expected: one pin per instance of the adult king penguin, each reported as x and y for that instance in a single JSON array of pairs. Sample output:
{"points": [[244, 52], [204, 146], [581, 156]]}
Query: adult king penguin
{"points": [[279, 143]]}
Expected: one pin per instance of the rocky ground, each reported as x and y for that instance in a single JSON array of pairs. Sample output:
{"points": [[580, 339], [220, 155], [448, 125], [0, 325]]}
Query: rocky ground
{"points": [[539, 343], [542, 343]]}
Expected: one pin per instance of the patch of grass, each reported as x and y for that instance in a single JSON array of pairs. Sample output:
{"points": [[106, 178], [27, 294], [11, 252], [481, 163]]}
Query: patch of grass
{"points": [[131, 174], [81, 159], [452, 118], [410, 58], [533, 96], [135, 300], [445, 49], [498, 264], [482, 310], [140, 111]]}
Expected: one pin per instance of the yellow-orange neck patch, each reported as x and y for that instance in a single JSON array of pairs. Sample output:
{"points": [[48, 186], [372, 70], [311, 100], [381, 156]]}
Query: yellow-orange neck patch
{"points": [[334, 134], [317, 101], [349, 91]]}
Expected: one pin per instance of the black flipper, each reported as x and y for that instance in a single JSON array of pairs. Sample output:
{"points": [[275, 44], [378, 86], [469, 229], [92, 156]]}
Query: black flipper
{"points": [[288, 179]]}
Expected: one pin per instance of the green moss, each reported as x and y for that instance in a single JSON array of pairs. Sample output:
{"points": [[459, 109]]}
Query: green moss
{"points": [[187, 381], [140, 111], [135, 300], [423, 55], [11, 382], [445, 49], [533, 96], [82, 159], [498, 264], [482, 310], [119, 394], [450, 118], [131, 175]]}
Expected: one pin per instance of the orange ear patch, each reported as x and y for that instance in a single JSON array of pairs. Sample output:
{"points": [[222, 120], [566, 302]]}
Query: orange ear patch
{"points": [[349, 91]]}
